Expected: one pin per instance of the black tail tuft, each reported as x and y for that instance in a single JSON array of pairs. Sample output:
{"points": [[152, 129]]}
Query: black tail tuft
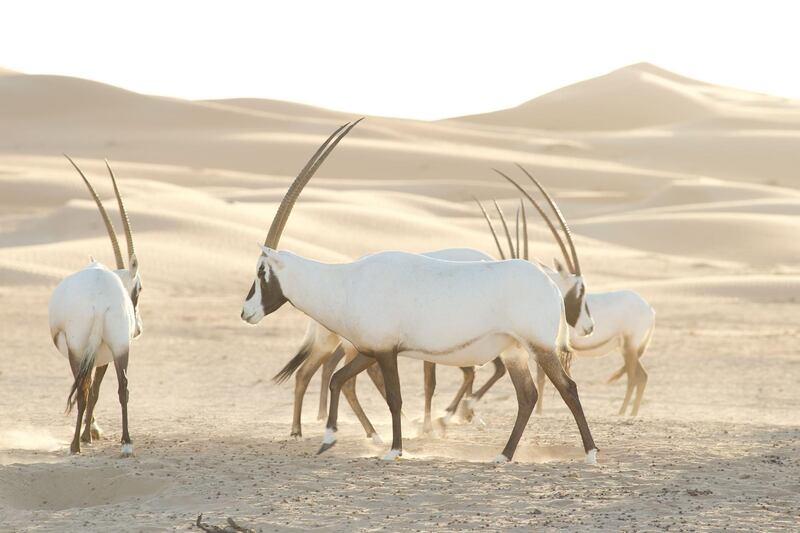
{"points": [[85, 373], [294, 363]]}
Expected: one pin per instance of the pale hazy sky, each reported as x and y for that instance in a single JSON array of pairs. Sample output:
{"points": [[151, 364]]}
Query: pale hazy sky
{"points": [[422, 59]]}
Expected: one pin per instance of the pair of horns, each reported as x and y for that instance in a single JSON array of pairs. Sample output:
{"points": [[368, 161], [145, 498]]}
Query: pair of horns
{"points": [[285, 209], [571, 259], [514, 251], [109, 225]]}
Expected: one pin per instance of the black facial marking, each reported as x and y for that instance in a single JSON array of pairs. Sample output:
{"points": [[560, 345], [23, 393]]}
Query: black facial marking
{"points": [[252, 291], [572, 304], [135, 296], [271, 294]]}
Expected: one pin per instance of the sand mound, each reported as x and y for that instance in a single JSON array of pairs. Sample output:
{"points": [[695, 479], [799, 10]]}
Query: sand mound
{"points": [[637, 96]]}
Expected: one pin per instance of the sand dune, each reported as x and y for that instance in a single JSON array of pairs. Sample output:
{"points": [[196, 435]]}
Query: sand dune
{"points": [[679, 189]]}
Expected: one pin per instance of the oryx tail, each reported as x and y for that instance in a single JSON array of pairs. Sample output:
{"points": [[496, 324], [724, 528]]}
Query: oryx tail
{"points": [[87, 359]]}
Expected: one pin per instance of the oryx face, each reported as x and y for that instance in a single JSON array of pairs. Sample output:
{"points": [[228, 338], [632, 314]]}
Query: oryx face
{"points": [[265, 294], [577, 312]]}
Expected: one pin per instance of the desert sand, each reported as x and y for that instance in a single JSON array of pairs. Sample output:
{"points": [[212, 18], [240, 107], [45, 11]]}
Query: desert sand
{"points": [[686, 192]]}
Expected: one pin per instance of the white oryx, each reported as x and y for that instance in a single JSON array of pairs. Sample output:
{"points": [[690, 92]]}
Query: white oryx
{"points": [[455, 313], [93, 318], [623, 319], [322, 347]]}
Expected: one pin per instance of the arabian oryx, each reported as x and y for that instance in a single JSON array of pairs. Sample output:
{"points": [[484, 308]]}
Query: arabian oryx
{"points": [[323, 347], [395, 303], [623, 319], [93, 318]]}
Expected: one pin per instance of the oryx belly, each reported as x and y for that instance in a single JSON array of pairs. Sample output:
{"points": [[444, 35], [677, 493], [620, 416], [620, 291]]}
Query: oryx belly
{"points": [[477, 352]]}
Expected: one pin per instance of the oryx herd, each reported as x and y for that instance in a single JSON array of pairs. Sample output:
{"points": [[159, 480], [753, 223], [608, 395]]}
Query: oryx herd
{"points": [[455, 306]]}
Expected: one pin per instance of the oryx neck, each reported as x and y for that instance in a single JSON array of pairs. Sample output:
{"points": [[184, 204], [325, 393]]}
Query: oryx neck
{"points": [[315, 288]]}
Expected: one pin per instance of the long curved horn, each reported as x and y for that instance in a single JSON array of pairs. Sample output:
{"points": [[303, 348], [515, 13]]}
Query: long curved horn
{"points": [[557, 211], [282, 215], [517, 232], [524, 230], [491, 227], [123, 213], [505, 227], [544, 216], [109, 225]]}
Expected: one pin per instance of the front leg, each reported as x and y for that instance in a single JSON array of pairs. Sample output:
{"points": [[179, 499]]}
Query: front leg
{"points": [[388, 364], [429, 372], [348, 371]]}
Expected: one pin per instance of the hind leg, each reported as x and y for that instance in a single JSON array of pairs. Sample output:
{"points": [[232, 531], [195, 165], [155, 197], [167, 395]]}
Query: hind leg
{"points": [[121, 366], [540, 383], [499, 372], [82, 397], [641, 383], [91, 429], [526, 398], [569, 392], [301, 380], [631, 365], [465, 389], [327, 371]]}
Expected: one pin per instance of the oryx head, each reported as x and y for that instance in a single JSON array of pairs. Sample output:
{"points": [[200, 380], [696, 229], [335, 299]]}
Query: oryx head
{"points": [[266, 295], [130, 277], [568, 278]]}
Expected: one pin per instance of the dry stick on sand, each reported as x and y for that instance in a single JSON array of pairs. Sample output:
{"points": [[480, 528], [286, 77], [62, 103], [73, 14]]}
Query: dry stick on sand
{"points": [[232, 526]]}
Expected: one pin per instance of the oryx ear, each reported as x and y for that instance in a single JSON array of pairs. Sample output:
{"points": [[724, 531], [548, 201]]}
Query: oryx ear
{"points": [[273, 258], [559, 267], [133, 265]]}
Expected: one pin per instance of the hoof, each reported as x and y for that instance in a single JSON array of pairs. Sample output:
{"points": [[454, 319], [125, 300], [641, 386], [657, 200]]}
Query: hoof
{"points": [[96, 432], [591, 457], [296, 435], [478, 422], [376, 439], [322, 415], [86, 438], [325, 447], [127, 450], [427, 428], [501, 460], [393, 455], [74, 451], [466, 410], [328, 440], [444, 421]]}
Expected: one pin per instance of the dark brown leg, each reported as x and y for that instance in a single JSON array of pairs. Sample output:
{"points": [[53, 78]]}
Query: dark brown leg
{"points": [[344, 374], [327, 371], [90, 430], [121, 366], [388, 364], [526, 398], [499, 372], [465, 388], [540, 383], [569, 392], [82, 396], [349, 391], [429, 372], [375, 374]]}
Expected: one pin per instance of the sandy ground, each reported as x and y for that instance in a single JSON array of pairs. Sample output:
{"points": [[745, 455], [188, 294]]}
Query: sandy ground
{"points": [[696, 209]]}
